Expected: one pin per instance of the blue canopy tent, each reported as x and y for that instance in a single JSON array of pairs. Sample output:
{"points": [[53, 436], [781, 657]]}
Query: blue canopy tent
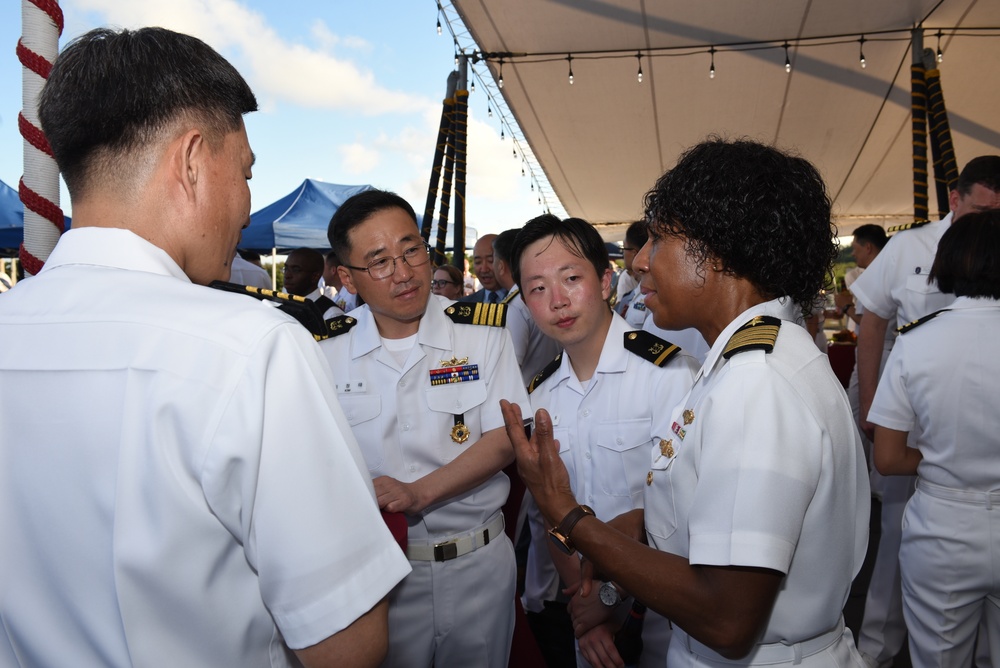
{"points": [[11, 218], [12, 221], [299, 219]]}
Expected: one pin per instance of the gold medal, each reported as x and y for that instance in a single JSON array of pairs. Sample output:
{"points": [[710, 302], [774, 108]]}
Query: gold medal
{"points": [[667, 448], [649, 478], [460, 433], [688, 416]]}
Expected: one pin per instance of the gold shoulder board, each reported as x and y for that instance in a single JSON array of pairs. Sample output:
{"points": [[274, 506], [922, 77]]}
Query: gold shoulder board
{"points": [[919, 321], [758, 334], [300, 308], [650, 347], [907, 226], [340, 325], [542, 375], [478, 313]]}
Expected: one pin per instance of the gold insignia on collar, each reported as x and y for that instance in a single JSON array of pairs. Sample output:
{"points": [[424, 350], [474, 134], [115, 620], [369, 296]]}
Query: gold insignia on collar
{"points": [[632, 336], [454, 361], [755, 321], [460, 433], [688, 415], [649, 479]]}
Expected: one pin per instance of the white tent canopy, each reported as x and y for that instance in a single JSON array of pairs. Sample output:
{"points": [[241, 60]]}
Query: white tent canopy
{"points": [[604, 140]]}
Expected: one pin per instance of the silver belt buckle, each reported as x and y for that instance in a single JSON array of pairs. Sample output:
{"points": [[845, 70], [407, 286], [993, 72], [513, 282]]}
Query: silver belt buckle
{"points": [[446, 551]]}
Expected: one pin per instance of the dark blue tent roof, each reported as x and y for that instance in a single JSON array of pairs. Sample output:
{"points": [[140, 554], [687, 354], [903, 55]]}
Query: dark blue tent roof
{"points": [[11, 217], [299, 219]]}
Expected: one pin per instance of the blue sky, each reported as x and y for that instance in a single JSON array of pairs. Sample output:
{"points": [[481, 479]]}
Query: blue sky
{"points": [[350, 92]]}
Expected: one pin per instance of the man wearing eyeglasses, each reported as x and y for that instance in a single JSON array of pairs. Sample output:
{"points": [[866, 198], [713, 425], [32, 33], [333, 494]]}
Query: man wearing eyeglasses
{"points": [[420, 388]]}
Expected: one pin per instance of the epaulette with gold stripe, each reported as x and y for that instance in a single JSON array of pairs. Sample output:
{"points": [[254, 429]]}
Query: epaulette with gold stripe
{"points": [[650, 347], [478, 313], [919, 321], [542, 375], [300, 308], [907, 226], [758, 334], [340, 325]]}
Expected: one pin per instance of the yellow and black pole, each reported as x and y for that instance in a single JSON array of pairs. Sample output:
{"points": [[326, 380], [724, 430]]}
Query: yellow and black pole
{"points": [[918, 97]]}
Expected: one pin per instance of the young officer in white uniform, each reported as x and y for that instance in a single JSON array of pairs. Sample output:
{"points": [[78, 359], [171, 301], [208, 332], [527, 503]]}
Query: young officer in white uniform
{"points": [[420, 385], [609, 395], [940, 387], [533, 347], [757, 507], [178, 483], [894, 288]]}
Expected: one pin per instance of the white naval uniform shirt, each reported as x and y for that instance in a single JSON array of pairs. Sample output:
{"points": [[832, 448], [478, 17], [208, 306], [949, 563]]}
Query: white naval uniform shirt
{"points": [[533, 349], [404, 424], [895, 284], [767, 471], [941, 384], [605, 426], [178, 482]]}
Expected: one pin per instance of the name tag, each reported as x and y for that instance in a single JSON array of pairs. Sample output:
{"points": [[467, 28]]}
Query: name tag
{"points": [[351, 387]]}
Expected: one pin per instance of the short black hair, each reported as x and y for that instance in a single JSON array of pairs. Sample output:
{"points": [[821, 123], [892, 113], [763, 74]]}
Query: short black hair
{"points": [[762, 213], [330, 259], [983, 171], [503, 245], [579, 236], [967, 263], [110, 93], [637, 234], [356, 210], [871, 234]]}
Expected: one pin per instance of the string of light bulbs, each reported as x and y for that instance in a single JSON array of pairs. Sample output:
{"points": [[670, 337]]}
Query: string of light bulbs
{"points": [[496, 107], [785, 48]]}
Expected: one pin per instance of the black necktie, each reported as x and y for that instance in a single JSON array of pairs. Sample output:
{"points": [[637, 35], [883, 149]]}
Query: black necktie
{"points": [[493, 297]]}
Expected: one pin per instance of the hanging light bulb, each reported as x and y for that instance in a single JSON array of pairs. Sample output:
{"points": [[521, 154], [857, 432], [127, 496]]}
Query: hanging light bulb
{"points": [[501, 133], [711, 69], [514, 152], [861, 50], [532, 186], [569, 59], [472, 88], [439, 25], [500, 79], [489, 110], [456, 59], [940, 55], [522, 170], [788, 63], [638, 56]]}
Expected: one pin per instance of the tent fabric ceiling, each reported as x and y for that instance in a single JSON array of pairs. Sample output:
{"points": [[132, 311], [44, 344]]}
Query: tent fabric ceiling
{"points": [[604, 140]]}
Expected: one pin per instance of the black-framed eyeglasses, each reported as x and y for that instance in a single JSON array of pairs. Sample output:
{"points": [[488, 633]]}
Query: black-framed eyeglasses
{"points": [[384, 267], [440, 284]]}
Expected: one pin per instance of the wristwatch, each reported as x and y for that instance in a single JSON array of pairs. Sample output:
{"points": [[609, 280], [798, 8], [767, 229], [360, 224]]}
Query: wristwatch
{"points": [[609, 594], [560, 534]]}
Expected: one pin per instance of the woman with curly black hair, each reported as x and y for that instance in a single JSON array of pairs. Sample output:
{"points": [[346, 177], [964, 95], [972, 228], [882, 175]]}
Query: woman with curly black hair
{"points": [[757, 502]]}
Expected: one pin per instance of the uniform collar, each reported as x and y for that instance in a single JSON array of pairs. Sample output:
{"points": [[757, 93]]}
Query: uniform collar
{"points": [[433, 330], [614, 357], [112, 247], [783, 308], [969, 303]]}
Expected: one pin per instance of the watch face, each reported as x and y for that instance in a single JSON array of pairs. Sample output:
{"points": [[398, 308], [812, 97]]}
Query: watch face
{"points": [[609, 595]]}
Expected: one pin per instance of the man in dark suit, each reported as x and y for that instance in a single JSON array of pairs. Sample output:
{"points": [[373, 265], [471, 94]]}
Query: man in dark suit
{"points": [[482, 266]]}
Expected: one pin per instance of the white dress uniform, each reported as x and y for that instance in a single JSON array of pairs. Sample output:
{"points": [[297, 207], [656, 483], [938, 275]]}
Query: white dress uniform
{"points": [[941, 384], [605, 427], [765, 469], [894, 287], [190, 491], [532, 347], [457, 611], [690, 340]]}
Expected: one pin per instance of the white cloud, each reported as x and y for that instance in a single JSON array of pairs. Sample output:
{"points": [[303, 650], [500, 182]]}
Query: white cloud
{"points": [[358, 158], [273, 66]]}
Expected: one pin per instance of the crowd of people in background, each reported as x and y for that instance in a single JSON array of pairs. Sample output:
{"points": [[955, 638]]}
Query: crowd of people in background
{"points": [[693, 483]]}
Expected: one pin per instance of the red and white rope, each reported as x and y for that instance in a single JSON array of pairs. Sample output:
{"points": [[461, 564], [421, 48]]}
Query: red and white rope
{"points": [[41, 26]]}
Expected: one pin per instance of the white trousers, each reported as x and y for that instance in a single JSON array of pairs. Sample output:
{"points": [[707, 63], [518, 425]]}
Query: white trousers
{"points": [[883, 630], [950, 558], [455, 613]]}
